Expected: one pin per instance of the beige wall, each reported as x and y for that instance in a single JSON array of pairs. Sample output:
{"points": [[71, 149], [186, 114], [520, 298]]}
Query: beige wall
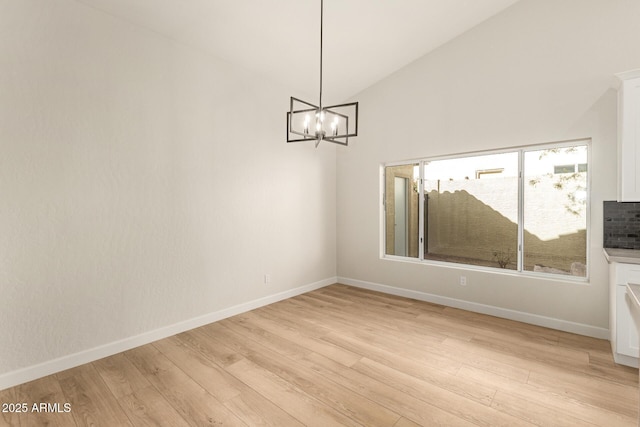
{"points": [[143, 183], [541, 71]]}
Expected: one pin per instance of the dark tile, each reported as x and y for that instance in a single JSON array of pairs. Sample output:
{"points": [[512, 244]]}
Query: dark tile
{"points": [[621, 225]]}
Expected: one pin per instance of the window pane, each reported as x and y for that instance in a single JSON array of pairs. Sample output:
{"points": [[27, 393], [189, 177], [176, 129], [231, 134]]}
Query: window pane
{"points": [[555, 210], [471, 210], [401, 210]]}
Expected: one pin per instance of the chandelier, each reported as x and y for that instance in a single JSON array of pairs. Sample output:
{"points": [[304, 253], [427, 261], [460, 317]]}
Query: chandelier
{"points": [[309, 122]]}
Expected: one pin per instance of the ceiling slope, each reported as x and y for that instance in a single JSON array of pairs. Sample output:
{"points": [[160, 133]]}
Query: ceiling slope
{"points": [[364, 40]]}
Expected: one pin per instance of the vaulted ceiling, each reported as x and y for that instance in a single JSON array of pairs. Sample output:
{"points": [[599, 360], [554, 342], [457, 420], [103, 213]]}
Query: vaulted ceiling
{"points": [[364, 40]]}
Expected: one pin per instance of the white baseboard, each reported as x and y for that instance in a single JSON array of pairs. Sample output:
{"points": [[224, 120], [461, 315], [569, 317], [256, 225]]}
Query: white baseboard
{"points": [[30, 373], [622, 359], [534, 319]]}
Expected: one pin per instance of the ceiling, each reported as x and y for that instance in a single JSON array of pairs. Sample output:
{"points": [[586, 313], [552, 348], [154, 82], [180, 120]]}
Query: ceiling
{"points": [[364, 40]]}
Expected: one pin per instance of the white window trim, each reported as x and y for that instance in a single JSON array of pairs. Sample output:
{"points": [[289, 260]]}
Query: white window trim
{"points": [[520, 272]]}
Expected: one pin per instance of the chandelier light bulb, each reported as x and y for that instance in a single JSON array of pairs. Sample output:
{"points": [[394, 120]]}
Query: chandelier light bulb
{"points": [[307, 119]]}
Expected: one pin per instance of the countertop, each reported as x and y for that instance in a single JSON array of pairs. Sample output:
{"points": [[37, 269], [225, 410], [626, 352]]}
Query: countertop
{"points": [[627, 256]]}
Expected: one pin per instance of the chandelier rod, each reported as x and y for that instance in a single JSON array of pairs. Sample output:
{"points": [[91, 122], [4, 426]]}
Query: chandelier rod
{"points": [[321, 22]]}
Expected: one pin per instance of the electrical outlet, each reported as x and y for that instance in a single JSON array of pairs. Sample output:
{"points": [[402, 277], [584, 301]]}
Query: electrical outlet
{"points": [[463, 280], [267, 278]]}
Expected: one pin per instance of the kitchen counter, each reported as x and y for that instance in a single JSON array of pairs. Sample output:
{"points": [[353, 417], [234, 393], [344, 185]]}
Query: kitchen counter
{"points": [[627, 256]]}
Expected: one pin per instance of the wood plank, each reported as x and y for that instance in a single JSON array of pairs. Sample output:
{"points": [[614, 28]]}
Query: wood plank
{"points": [[293, 334], [376, 390], [380, 301], [467, 353], [195, 404], [11, 396], [285, 347], [256, 410], [92, 403], [619, 373], [120, 375], [477, 352], [346, 356], [595, 391], [374, 339], [214, 349], [461, 402], [296, 402], [147, 407], [207, 374], [259, 348], [546, 400], [375, 319], [535, 412], [149, 360], [551, 354], [364, 318], [405, 361], [404, 422], [509, 328], [289, 312], [46, 390]]}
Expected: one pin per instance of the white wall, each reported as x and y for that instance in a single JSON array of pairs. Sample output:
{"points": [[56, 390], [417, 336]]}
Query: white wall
{"points": [[142, 183], [541, 71]]}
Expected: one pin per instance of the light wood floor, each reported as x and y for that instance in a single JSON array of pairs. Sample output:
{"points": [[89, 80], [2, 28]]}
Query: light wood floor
{"points": [[346, 356]]}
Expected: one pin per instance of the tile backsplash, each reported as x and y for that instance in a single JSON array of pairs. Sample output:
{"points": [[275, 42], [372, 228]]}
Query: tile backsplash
{"points": [[622, 225]]}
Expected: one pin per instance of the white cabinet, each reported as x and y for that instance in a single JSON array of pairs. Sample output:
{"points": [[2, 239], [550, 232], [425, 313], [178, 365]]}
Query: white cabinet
{"points": [[627, 333], [629, 136], [623, 330]]}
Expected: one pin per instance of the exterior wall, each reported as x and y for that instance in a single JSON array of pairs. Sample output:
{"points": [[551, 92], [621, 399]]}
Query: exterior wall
{"points": [[462, 226], [475, 218]]}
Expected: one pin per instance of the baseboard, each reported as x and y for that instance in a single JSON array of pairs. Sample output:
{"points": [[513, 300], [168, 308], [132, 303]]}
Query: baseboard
{"points": [[31, 373], [534, 319], [622, 359]]}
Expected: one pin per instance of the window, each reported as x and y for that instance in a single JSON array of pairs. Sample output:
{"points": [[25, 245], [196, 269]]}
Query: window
{"points": [[582, 167], [522, 210], [401, 213], [487, 172], [555, 212], [471, 221]]}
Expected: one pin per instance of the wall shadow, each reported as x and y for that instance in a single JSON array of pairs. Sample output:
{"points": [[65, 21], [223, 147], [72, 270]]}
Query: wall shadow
{"points": [[462, 228]]}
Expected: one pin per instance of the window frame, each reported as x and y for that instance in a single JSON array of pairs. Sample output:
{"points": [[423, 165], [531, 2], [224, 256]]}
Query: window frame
{"points": [[521, 150]]}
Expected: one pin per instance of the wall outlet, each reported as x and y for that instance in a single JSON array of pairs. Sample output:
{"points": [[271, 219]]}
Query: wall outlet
{"points": [[463, 280], [267, 278]]}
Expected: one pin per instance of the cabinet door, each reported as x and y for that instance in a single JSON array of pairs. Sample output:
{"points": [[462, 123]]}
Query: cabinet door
{"points": [[629, 139], [626, 331]]}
